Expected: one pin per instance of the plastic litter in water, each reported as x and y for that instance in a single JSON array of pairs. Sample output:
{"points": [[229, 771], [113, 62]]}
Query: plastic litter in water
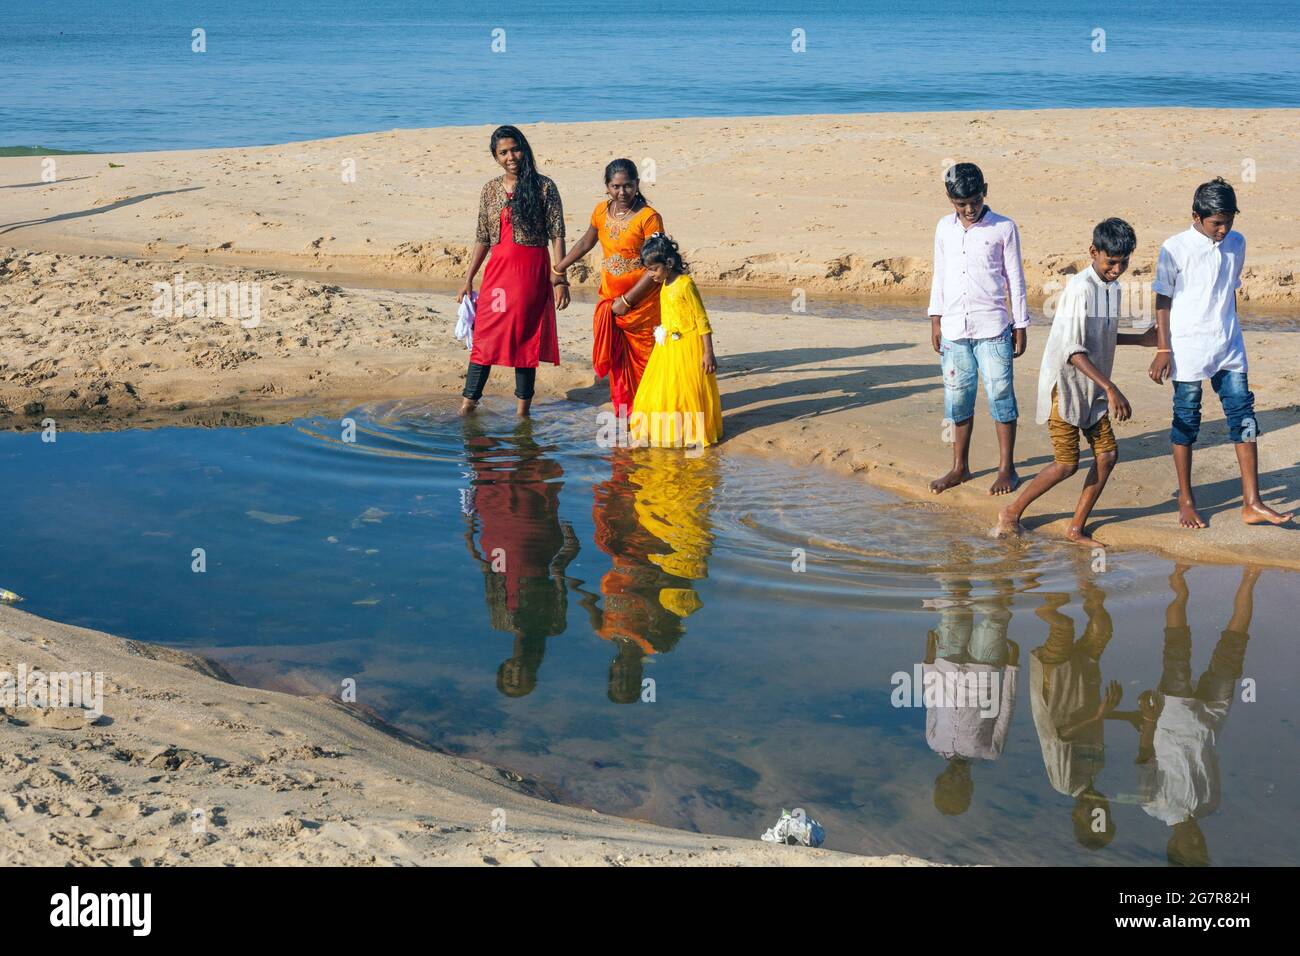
{"points": [[795, 829]]}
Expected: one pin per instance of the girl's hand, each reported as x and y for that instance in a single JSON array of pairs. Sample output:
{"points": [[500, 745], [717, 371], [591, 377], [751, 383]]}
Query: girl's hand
{"points": [[466, 289], [710, 362], [561, 296]]}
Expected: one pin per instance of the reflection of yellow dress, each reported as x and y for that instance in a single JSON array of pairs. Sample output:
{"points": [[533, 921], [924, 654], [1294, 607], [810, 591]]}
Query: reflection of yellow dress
{"points": [[673, 503], [677, 404]]}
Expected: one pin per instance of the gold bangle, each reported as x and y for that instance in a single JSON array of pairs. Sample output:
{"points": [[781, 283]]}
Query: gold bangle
{"points": [[1170, 351], [626, 303], [558, 272]]}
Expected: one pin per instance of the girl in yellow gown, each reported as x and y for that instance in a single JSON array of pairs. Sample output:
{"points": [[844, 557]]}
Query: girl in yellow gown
{"points": [[677, 403]]}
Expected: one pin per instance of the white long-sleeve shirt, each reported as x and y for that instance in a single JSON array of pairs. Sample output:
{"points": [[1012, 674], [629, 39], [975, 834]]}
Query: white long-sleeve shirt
{"points": [[959, 727], [979, 283]]}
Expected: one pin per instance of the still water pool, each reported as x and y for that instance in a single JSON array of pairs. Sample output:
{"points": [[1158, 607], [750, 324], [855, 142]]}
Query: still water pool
{"points": [[699, 642]]}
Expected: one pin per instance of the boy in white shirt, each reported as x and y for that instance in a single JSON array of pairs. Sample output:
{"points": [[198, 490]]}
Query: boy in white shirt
{"points": [[1197, 277], [979, 321]]}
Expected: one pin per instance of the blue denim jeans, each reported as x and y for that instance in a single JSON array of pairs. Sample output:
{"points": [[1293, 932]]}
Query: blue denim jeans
{"points": [[965, 362], [1235, 396]]}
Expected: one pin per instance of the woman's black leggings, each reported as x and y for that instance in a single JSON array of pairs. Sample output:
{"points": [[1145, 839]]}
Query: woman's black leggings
{"points": [[477, 376]]}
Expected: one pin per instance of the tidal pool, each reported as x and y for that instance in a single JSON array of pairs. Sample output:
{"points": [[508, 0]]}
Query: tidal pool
{"points": [[699, 641]]}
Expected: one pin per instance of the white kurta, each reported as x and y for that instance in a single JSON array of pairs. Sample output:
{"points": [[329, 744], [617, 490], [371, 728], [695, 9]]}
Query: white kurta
{"points": [[1086, 320], [1202, 276]]}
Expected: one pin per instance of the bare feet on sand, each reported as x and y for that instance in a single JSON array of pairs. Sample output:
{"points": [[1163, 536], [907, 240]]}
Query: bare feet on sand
{"points": [[467, 406], [1188, 516], [1263, 514], [1005, 483], [1080, 537], [950, 480], [1008, 525]]}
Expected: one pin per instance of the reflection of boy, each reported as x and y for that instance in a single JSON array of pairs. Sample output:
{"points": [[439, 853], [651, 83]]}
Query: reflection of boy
{"points": [[963, 653], [1181, 722], [1065, 696]]}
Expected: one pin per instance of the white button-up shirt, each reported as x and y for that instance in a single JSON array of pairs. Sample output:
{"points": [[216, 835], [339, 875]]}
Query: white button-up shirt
{"points": [[979, 283], [965, 731], [1202, 276]]}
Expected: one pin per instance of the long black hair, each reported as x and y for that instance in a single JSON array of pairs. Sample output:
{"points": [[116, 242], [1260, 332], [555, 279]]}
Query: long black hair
{"points": [[527, 207], [627, 168], [660, 248]]}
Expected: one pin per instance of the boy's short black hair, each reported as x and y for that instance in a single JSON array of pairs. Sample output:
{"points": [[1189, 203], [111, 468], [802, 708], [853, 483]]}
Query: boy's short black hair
{"points": [[1114, 237], [964, 180], [1217, 197]]}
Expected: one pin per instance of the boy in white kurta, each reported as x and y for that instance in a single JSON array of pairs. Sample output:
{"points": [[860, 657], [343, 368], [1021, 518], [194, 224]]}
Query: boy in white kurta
{"points": [[1196, 284], [1075, 392]]}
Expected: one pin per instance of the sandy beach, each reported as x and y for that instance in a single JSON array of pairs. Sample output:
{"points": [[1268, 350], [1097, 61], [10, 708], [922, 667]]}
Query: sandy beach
{"points": [[828, 205], [824, 203]]}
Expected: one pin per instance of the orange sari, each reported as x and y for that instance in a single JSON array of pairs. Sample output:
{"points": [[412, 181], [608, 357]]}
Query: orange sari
{"points": [[622, 343]]}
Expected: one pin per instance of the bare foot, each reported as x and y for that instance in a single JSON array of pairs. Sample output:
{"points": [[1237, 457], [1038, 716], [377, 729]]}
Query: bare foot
{"points": [[1188, 516], [1079, 537], [1008, 525], [467, 405], [1005, 483], [1263, 514], [950, 480], [522, 407]]}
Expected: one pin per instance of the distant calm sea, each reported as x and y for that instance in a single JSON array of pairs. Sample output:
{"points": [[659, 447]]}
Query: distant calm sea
{"points": [[98, 75]]}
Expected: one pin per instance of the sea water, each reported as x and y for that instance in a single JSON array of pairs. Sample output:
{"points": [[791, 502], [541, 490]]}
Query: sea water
{"points": [[155, 74]]}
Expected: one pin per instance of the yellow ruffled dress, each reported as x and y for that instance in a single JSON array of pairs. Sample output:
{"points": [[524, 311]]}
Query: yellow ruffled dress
{"points": [[677, 404]]}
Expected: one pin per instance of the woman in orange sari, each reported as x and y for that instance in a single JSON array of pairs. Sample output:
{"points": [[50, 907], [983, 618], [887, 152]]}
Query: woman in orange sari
{"points": [[621, 224]]}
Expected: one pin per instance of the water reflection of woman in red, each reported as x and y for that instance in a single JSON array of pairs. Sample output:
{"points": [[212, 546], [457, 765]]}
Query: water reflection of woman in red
{"points": [[523, 548], [648, 592]]}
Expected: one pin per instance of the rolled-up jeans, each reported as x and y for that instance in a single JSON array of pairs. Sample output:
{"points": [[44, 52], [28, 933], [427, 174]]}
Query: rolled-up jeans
{"points": [[477, 376], [1235, 396], [964, 362]]}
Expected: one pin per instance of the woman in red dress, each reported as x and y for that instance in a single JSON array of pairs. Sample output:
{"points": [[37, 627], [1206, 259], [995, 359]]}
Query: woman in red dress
{"points": [[519, 213]]}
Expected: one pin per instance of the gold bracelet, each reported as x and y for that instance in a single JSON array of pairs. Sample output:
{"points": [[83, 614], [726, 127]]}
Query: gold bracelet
{"points": [[558, 272], [626, 304], [1170, 351]]}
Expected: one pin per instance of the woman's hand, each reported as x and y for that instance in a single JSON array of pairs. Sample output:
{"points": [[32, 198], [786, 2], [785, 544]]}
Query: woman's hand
{"points": [[466, 290], [620, 307], [561, 295], [709, 363]]}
